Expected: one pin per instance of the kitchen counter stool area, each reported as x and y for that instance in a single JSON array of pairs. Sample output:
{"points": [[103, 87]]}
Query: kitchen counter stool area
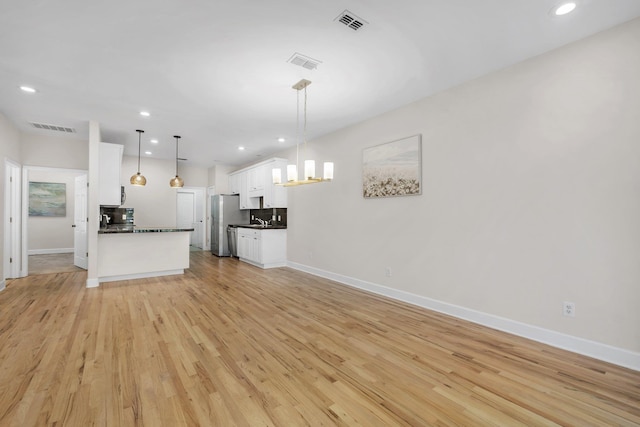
{"points": [[142, 252]]}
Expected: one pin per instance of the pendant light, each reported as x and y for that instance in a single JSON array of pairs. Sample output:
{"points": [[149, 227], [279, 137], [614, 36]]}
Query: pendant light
{"points": [[309, 165], [176, 182], [138, 179]]}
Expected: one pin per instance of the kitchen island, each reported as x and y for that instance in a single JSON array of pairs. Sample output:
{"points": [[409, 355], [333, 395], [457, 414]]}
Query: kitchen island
{"points": [[129, 252]]}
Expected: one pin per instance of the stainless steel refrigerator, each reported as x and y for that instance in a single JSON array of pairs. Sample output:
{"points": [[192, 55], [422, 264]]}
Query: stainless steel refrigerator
{"points": [[225, 210]]}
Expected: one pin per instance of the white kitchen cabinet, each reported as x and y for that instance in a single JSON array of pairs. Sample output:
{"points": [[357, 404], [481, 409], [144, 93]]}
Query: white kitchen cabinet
{"points": [[110, 156], [263, 248], [255, 181], [234, 183], [247, 202], [275, 196]]}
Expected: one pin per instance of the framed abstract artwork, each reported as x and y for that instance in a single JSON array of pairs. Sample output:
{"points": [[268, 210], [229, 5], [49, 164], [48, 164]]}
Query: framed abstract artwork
{"points": [[47, 199], [393, 169]]}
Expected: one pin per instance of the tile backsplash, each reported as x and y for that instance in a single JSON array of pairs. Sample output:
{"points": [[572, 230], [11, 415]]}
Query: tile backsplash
{"points": [[277, 216]]}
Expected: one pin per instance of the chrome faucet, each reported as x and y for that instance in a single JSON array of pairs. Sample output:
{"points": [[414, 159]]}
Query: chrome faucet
{"points": [[262, 222], [104, 220]]}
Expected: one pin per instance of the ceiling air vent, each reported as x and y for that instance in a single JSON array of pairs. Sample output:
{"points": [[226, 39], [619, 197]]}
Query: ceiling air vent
{"points": [[304, 61], [56, 128], [351, 20]]}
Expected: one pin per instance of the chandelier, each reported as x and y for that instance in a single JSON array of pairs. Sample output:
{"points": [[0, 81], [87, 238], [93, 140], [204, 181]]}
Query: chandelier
{"points": [[309, 165]]}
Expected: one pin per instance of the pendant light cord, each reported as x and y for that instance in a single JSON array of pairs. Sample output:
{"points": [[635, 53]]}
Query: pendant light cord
{"points": [[298, 132], [177, 138], [304, 129], [139, 135]]}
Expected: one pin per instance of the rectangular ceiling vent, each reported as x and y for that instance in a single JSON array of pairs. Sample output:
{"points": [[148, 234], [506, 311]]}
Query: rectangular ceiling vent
{"points": [[304, 61], [56, 128], [351, 20]]}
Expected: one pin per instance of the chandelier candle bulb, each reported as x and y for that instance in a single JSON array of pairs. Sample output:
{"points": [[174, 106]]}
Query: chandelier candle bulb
{"points": [[328, 171], [276, 175], [309, 169], [292, 172]]}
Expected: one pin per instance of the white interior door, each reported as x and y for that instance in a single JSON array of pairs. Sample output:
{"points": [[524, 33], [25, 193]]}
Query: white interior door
{"points": [[186, 213], [12, 222], [80, 218]]}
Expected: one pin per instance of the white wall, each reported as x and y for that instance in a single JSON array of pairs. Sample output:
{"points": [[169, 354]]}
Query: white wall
{"points": [[155, 203], [9, 149], [531, 184], [52, 234], [54, 151]]}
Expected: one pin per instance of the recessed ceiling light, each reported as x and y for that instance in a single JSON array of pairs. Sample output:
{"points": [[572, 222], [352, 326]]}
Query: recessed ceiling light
{"points": [[154, 141], [241, 148], [27, 89], [565, 8], [145, 113], [148, 152], [280, 139]]}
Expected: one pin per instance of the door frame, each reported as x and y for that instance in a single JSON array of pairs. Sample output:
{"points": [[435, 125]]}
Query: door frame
{"points": [[25, 206], [12, 262], [199, 199]]}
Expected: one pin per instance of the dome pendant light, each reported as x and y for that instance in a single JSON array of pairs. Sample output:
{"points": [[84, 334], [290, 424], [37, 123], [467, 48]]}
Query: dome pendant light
{"points": [[176, 182], [138, 179]]}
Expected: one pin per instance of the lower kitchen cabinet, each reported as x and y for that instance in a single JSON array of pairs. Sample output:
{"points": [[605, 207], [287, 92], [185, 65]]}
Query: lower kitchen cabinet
{"points": [[263, 248]]}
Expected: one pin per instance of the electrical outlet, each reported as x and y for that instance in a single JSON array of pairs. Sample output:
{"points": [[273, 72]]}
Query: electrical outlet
{"points": [[569, 309], [387, 271]]}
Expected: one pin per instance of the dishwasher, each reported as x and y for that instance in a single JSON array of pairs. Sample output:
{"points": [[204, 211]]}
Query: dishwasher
{"points": [[232, 240]]}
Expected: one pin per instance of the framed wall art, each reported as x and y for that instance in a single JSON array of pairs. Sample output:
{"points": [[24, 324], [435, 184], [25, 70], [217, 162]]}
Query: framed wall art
{"points": [[393, 169], [47, 199]]}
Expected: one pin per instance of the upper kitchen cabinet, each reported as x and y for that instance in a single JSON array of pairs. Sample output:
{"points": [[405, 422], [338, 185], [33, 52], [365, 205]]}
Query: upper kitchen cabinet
{"points": [[255, 182], [247, 202], [109, 174], [275, 196], [255, 177], [234, 183]]}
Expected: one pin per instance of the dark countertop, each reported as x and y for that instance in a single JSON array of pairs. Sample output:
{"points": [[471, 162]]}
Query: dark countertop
{"points": [[133, 229], [261, 227]]}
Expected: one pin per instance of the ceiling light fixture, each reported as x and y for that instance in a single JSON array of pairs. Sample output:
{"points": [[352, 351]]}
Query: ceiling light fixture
{"points": [[138, 179], [241, 148], [280, 139], [27, 89], [148, 153], [176, 182], [565, 8], [309, 165], [154, 141], [145, 113]]}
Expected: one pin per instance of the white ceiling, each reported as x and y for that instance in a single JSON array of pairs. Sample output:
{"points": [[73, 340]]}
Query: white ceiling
{"points": [[216, 72]]}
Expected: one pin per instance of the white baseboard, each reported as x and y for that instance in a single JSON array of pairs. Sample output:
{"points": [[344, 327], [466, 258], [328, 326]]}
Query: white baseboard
{"points": [[3, 285], [49, 251], [93, 283], [140, 275], [604, 352]]}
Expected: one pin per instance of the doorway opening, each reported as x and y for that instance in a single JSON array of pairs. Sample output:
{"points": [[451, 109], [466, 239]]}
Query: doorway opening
{"points": [[54, 241], [191, 213]]}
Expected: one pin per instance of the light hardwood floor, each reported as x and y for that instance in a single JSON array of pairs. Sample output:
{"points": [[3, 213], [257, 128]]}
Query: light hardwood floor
{"points": [[52, 263], [228, 344]]}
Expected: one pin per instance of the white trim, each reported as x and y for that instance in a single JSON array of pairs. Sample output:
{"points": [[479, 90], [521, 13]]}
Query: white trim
{"points": [[607, 353], [50, 251], [140, 275], [3, 285], [92, 283]]}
